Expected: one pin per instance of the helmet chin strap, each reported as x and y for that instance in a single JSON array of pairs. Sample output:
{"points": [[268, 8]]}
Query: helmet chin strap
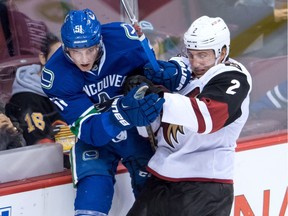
{"points": [[99, 56], [100, 53], [66, 54], [216, 60]]}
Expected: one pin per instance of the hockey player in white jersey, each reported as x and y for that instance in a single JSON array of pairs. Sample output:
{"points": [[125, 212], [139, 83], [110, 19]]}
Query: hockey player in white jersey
{"points": [[193, 165]]}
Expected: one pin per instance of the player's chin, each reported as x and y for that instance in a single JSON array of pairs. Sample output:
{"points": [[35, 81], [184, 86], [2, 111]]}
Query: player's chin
{"points": [[85, 67], [199, 73]]}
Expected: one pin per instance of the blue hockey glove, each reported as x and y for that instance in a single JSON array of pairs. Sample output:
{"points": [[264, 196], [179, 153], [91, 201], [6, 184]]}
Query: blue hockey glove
{"points": [[135, 109], [172, 75]]}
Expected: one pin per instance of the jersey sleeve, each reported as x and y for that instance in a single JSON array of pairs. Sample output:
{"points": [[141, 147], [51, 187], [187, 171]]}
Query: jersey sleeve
{"points": [[217, 105], [85, 121], [223, 96], [126, 45]]}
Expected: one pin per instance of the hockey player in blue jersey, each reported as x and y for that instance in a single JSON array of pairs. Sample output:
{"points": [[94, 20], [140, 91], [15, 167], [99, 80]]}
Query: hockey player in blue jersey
{"points": [[84, 79]]}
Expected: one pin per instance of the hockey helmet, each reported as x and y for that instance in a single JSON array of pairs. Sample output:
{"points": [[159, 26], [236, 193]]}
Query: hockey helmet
{"points": [[208, 33], [80, 29]]}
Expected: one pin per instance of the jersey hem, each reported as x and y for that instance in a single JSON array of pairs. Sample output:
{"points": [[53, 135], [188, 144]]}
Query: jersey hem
{"points": [[192, 179]]}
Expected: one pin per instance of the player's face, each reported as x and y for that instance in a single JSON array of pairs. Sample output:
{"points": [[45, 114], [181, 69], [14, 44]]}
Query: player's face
{"points": [[201, 61], [84, 58]]}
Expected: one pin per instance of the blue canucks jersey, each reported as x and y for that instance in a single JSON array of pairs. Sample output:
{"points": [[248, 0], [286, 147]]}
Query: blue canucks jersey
{"points": [[76, 92]]}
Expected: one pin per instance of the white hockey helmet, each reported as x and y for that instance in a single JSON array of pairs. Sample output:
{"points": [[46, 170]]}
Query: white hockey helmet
{"points": [[208, 33]]}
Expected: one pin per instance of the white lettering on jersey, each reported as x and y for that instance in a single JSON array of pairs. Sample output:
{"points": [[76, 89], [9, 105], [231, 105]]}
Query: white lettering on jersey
{"points": [[59, 103], [113, 80]]}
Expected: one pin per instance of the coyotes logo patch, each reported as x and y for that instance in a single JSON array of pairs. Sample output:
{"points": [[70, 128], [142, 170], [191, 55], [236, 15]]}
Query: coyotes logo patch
{"points": [[170, 133]]}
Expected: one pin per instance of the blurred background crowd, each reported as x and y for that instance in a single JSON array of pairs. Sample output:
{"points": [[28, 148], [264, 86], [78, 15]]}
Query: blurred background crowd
{"points": [[259, 41]]}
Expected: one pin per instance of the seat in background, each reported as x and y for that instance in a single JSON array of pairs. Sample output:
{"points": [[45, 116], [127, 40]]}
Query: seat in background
{"points": [[26, 35]]}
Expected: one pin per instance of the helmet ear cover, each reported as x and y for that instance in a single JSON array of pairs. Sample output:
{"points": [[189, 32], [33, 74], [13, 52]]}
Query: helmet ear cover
{"points": [[81, 29], [208, 33]]}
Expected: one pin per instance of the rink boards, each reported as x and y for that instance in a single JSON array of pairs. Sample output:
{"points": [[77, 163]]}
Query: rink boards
{"points": [[261, 180]]}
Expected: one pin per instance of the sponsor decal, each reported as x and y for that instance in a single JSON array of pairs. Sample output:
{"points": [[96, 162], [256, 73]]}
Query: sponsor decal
{"points": [[6, 211]]}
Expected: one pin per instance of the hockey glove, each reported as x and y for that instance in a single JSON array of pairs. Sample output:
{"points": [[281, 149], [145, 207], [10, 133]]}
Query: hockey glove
{"points": [[135, 109], [136, 80], [172, 75]]}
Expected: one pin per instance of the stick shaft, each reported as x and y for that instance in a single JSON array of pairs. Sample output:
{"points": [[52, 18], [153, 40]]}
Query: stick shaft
{"points": [[129, 12], [143, 40]]}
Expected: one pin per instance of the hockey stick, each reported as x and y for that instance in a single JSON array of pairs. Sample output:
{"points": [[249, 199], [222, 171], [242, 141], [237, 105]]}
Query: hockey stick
{"points": [[151, 58], [139, 95], [142, 37]]}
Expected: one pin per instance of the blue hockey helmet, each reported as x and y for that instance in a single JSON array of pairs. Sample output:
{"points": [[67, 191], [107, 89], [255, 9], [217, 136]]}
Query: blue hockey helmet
{"points": [[80, 29]]}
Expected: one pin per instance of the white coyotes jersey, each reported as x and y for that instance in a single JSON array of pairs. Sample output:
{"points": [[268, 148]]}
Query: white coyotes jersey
{"points": [[200, 126]]}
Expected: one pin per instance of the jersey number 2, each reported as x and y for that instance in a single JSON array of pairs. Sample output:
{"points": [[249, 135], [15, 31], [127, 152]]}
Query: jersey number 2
{"points": [[236, 85]]}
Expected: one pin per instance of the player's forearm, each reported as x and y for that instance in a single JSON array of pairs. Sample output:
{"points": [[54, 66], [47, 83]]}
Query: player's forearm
{"points": [[199, 117], [96, 129]]}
